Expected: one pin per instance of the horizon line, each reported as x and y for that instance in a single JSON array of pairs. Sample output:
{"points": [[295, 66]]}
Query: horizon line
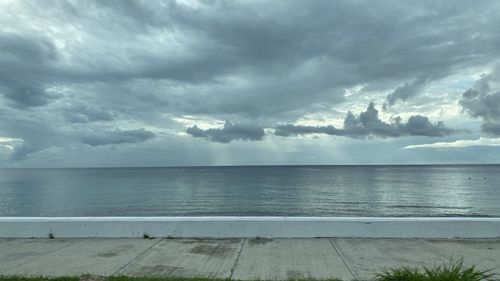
{"points": [[258, 165]]}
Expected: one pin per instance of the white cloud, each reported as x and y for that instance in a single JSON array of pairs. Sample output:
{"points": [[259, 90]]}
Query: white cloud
{"points": [[6, 139], [458, 144], [9, 143], [7, 146]]}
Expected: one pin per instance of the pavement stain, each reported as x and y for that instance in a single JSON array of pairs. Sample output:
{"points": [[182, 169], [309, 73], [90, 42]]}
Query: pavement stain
{"points": [[114, 252], [259, 241], [293, 275], [232, 240], [107, 255], [215, 240], [217, 250], [191, 241], [478, 242]]}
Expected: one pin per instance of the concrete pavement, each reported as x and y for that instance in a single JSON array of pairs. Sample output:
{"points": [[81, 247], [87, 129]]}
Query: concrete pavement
{"points": [[245, 259]]}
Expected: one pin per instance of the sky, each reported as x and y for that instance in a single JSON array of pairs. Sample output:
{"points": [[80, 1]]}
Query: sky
{"points": [[175, 83]]}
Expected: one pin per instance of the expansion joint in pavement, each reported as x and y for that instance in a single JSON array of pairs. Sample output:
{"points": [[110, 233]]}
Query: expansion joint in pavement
{"points": [[235, 263], [139, 255], [51, 251], [344, 261]]}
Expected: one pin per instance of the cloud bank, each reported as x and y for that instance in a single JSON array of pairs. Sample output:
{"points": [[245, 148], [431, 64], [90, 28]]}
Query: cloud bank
{"points": [[368, 124], [117, 137], [229, 133]]}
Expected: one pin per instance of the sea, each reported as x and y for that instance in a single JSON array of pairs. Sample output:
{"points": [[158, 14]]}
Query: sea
{"points": [[367, 191]]}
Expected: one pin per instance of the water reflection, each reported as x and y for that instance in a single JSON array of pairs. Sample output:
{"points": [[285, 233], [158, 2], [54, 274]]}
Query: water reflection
{"points": [[294, 191]]}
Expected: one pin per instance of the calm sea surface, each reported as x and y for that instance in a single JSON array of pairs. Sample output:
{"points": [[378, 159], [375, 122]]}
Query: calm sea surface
{"points": [[260, 191]]}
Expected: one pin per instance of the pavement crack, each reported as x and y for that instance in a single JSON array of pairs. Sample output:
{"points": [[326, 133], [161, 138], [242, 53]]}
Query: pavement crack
{"points": [[3, 241], [343, 258], [438, 252], [235, 263], [139, 255], [212, 253]]}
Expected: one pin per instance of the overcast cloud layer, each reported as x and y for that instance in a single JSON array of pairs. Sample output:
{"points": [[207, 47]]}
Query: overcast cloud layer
{"points": [[151, 83]]}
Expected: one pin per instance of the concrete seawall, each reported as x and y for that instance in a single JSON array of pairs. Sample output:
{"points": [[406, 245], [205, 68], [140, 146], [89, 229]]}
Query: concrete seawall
{"points": [[241, 227]]}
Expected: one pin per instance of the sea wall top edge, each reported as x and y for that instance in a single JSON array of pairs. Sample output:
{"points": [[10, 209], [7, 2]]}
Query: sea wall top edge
{"points": [[270, 166], [251, 218]]}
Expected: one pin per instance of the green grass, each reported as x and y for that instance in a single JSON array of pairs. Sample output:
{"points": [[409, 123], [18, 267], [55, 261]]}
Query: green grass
{"points": [[454, 271], [18, 278]]}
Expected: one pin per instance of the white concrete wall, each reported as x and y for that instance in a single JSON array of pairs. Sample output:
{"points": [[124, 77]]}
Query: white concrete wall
{"points": [[224, 227]]}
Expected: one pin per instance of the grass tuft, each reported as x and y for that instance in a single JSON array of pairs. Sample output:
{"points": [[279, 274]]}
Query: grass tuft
{"points": [[454, 271], [22, 278]]}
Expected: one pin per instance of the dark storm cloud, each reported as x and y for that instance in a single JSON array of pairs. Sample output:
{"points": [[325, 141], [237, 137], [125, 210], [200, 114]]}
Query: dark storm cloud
{"points": [[347, 43], [35, 135], [229, 133], [397, 42], [368, 124], [26, 49], [33, 132], [81, 113], [292, 130], [25, 94], [25, 150], [491, 128], [117, 137], [406, 91], [483, 101], [23, 60]]}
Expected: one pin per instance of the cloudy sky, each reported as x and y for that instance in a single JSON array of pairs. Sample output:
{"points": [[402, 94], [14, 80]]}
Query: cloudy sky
{"points": [[160, 83]]}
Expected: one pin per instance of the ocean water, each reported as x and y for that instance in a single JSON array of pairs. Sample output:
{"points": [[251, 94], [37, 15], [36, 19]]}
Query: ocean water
{"points": [[456, 190]]}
